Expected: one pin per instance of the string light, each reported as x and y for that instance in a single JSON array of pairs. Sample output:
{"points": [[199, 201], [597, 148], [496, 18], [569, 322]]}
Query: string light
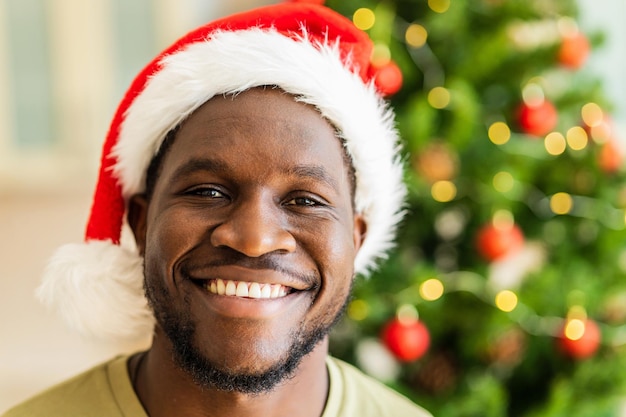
{"points": [[499, 133], [561, 203], [358, 310], [416, 35], [439, 6], [443, 191], [503, 182], [555, 143], [431, 289], [577, 138], [532, 93], [592, 114], [364, 18], [574, 329], [439, 97], [506, 301]]}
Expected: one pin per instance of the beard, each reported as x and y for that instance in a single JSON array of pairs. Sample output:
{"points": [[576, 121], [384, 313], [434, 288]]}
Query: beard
{"points": [[180, 328]]}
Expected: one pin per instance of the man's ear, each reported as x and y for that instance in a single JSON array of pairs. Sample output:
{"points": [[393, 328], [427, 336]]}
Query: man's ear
{"points": [[137, 214], [359, 231]]}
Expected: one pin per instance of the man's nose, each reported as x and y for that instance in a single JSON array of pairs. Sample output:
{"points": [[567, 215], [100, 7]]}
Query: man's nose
{"points": [[254, 228]]}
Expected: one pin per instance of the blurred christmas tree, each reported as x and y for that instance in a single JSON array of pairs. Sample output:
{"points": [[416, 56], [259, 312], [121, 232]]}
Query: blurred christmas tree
{"points": [[507, 293]]}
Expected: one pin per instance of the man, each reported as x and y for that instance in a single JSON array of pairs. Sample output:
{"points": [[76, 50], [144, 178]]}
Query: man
{"points": [[257, 168]]}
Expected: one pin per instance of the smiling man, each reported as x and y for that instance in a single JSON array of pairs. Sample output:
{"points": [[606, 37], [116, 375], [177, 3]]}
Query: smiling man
{"points": [[258, 169]]}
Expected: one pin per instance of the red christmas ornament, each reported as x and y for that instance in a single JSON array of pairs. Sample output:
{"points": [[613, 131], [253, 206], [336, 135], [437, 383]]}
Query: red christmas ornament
{"points": [[387, 78], [537, 119], [407, 339], [496, 241], [574, 50], [580, 347], [610, 157]]}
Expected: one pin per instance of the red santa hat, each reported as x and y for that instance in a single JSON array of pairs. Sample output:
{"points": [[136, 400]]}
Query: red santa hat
{"points": [[307, 50]]}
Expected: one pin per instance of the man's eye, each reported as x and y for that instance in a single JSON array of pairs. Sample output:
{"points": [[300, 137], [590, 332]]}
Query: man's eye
{"points": [[207, 192], [303, 201]]}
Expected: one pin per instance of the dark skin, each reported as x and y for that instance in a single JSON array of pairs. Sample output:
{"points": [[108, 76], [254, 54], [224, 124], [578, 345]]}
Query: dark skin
{"points": [[254, 189]]}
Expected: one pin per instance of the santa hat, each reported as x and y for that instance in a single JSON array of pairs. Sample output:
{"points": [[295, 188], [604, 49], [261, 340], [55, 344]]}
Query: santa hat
{"points": [[305, 49]]}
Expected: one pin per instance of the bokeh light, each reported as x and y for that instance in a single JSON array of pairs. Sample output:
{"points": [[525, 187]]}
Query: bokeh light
{"points": [[431, 289], [439, 97], [443, 191], [555, 143], [416, 35], [561, 203], [499, 133], [503, 182], [439, 6], [577, 138], [506, 300], [364, 18]]}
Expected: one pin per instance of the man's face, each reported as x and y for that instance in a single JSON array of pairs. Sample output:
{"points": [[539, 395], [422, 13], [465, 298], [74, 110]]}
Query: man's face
{"points": [[249, 239]]}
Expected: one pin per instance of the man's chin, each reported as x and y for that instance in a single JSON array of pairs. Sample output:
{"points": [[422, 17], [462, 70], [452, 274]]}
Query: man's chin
{"points": [[208, 375]]}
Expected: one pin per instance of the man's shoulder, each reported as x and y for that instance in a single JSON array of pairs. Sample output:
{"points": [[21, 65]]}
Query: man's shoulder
{"points": [[362, 395], [88, 393]]}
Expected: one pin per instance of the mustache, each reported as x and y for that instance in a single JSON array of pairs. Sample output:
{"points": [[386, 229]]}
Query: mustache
{"points": [[263, 262]]}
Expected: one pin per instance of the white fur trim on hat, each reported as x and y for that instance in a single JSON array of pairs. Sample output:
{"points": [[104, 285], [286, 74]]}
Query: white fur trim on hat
{"points": [[103, 295]]}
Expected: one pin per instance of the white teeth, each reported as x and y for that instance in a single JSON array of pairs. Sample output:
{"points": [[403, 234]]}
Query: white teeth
{"points": [[231, 288], [275, 291], [221, 287], [254, 291], [266, 291], [246, 289], [242, 290]]}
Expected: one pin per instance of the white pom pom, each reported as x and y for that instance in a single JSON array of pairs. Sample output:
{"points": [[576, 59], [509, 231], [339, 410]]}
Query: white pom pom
{"points": [[97, 288]]}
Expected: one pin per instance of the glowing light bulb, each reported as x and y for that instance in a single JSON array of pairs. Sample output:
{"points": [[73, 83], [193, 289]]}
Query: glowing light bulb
{"points": [[574, 329], [431, 289], [503, 182], [358, 310], [499, 133], [443, 191], [439, 6], [506, 300], [416, 35], [592, 114], [439, 97], [561, 203], [555, 143], [577, 138], [364, 18]]}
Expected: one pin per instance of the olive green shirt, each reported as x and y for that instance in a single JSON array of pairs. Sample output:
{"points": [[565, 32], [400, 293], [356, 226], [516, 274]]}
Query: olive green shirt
{"points": [[106, 391]]}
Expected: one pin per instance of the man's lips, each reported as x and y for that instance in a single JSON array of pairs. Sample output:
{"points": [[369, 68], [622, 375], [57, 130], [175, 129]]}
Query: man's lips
{"points": [[249, 283], [240, 292]]}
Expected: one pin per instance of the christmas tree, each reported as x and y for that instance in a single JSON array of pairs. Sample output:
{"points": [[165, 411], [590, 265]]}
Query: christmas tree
{"points": [[506, 295]]}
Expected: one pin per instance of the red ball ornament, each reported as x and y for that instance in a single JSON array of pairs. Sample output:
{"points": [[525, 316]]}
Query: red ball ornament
{"points": [[407, 339], [581, 347], [610, 157], [387, 78], [537, 119], [574, 50], [496, 241]]}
